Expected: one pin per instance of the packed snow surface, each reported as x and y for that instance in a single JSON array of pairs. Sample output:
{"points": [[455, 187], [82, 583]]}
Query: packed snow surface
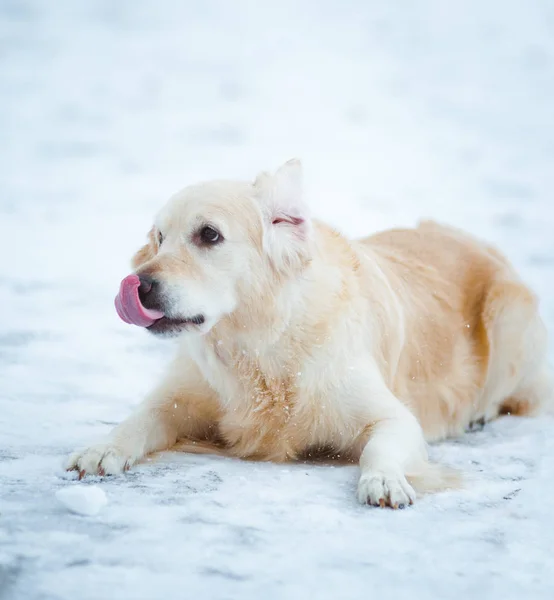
{"points": [[399, 110]]}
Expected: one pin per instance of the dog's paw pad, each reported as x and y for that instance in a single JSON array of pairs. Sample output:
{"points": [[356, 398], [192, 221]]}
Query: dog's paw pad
{"points": [[383, 489]]}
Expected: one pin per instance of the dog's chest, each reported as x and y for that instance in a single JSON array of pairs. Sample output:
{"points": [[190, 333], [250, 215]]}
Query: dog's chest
{"points": [[259, 416], [274, 410], [258, 399]]}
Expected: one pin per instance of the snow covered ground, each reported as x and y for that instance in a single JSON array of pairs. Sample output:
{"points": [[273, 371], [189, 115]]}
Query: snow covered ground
{"points": [[399, 110]]}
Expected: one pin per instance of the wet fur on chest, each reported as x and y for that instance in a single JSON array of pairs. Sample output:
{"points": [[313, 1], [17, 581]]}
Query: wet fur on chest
{"points": [[257, 417], [280, 410]]}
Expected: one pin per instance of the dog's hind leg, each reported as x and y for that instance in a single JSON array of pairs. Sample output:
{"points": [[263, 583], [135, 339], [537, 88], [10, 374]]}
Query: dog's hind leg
{"points": [[517, 377], [532, 397]]}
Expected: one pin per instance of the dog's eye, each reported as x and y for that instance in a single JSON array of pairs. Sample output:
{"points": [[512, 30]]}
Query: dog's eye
{"points": [[209, 236], [160, 238]]}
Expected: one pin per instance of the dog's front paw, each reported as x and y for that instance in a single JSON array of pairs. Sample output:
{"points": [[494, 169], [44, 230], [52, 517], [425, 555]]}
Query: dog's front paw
{"points": [[381, 488], [101, 459]]}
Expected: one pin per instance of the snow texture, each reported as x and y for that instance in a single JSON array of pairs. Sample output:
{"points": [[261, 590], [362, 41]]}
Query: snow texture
{"points": [[399, 110]]}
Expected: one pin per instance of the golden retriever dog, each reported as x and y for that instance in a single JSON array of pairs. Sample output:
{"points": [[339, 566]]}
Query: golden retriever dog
{"points": [[293, 340]]}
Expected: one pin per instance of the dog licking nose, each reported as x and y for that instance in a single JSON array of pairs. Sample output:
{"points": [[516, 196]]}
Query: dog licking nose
{"points": [[129, 301]]}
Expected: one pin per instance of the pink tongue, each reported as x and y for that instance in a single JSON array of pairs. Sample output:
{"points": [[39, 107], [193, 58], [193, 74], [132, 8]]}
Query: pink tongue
{"points": [[129, 307]]}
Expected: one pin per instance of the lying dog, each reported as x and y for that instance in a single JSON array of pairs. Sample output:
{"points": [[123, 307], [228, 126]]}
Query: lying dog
{"points": [[293, 339]]}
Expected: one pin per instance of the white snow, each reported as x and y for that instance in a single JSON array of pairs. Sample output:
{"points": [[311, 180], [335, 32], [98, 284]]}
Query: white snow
{"points": [[86, 500], [399, 110]]}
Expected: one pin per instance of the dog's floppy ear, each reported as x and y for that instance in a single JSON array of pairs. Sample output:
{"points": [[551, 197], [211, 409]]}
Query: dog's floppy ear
{"points": [[287, 218]]}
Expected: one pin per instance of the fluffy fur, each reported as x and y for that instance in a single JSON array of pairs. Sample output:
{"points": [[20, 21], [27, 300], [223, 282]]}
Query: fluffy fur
{"points": [[313, 343]]}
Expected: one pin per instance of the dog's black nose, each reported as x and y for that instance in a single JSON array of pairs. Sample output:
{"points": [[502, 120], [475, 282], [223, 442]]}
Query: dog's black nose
{"points": [[147, 286]]}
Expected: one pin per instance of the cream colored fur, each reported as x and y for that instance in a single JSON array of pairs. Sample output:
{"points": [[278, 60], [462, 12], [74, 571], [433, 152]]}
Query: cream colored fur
{"points": [[314, 343]]}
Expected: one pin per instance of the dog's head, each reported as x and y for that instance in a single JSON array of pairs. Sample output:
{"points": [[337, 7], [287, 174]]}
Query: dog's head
{"points": [[214, 246]]}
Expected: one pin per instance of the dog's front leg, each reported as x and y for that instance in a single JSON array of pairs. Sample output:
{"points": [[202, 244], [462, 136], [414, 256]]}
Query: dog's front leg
{"points": [[182, 406], [395, 446]]}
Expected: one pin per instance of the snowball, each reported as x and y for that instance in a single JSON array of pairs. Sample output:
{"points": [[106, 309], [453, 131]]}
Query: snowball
{"points": [[83, 499]]}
